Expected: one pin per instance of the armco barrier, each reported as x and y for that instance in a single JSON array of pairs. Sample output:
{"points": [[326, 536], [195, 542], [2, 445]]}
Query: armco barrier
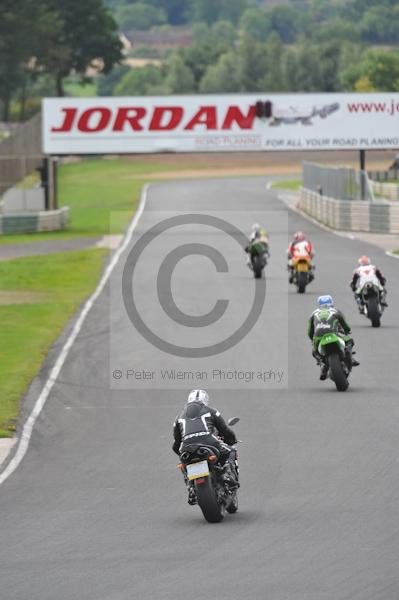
{"points": [[50, 220], [386, 190], [351, 215]]}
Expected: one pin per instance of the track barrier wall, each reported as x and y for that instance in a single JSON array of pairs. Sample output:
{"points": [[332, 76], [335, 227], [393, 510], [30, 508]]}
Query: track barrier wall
{"points": [[32, 222], [390, 191], [351, 215]]}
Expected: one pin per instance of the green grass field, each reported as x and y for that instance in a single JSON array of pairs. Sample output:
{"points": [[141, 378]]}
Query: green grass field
{"points": [[74, 88], [95, 188], [37, 297], [290, 184]]}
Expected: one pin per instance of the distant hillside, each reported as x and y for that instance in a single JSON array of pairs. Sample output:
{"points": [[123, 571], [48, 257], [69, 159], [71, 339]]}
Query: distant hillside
{"points": [[211, 46], [370, 21]]}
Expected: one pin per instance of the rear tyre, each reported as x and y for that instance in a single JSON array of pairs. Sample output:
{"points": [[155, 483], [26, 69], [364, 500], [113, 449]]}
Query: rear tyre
{"points": [[373, 312], [233, 506], [256, 263], [302, 279], [207, 501], [337, 373]]}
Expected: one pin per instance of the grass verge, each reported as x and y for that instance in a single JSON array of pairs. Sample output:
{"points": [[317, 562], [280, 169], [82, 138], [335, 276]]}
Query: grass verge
{"points": [[94, 188], [37, 297], [289, 184]]}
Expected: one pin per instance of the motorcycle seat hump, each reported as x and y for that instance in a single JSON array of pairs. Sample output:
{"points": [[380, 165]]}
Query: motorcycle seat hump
{"points": [[194, 447]]}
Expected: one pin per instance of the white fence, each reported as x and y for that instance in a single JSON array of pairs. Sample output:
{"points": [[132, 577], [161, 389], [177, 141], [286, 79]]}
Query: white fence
{"points": [[390, 191], [351, 215]]}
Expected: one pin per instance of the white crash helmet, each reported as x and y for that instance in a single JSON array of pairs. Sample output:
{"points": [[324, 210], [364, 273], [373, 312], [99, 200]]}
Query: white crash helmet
{"points": [[198, 396]]}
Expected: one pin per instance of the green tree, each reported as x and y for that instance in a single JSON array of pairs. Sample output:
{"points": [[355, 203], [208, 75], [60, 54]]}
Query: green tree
{"points": [[176, 10], [382, 69], [307, 67], [24, 29], [140, 16], [85, 32], [290, 71], [199, 56], [355, 9], [338, 30], [378, 71], [256, 24], [224, 33], [140, 82], [253, 64], [284, 21], [380, 25], [274, 80], [201, 33], [14, 51], [210, 11], [223, 77], [179, 78], [231, 10], [107, 83], [205, 11]]}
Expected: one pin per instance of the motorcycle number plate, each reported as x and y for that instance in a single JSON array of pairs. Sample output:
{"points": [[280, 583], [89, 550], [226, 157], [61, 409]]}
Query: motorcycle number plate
{"points": [[196, 470]]}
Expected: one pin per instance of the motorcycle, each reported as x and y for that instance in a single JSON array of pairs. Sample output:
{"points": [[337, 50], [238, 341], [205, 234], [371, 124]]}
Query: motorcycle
{"points": [[370, 301], [302, 272], [259, 254], [333, 349], [206, 479]]}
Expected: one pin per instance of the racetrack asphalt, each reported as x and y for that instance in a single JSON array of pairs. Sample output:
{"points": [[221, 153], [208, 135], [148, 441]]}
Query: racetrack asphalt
{"points": [[97, 509]]}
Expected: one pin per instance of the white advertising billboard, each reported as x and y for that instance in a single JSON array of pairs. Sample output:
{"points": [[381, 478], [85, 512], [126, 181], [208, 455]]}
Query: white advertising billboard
{"points": [[210, 123]]}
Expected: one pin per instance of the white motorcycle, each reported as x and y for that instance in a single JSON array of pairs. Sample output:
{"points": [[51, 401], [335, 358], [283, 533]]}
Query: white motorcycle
{"points": [[369, 295]]}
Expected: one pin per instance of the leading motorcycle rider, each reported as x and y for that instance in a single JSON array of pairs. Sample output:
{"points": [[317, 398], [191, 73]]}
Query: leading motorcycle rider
{"points": [[298, 247], [364, 272], [258, 236], [325, 312], [200, 423]]}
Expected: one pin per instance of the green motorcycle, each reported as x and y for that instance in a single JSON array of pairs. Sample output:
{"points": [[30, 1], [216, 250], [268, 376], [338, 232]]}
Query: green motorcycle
{"points": [[259, 253]]}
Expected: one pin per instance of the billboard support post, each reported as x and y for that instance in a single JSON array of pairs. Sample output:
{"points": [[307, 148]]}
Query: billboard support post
{"points": [[362, 174], [44, 176], [54, 172]]}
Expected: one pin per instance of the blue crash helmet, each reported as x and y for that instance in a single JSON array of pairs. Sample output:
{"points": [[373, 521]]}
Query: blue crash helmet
{"points": [[325, 301]]}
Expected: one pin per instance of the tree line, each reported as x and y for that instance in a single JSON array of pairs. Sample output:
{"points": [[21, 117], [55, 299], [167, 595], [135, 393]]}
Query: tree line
{"points": [[50, 39], [223, 59], [237, 46], [373, 21]]}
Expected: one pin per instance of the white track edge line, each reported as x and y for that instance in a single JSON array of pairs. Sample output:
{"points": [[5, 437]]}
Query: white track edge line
{"points": [[27, 429]]}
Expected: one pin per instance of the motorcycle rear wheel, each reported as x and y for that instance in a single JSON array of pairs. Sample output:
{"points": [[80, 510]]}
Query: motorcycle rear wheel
{"points": [[207, 501], [337, 373], [302, 279], [373, 312], [257, 267]]}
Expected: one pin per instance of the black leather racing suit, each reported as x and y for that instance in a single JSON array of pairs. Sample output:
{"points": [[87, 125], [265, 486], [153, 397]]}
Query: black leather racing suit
{"points": [[198, 423]]}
